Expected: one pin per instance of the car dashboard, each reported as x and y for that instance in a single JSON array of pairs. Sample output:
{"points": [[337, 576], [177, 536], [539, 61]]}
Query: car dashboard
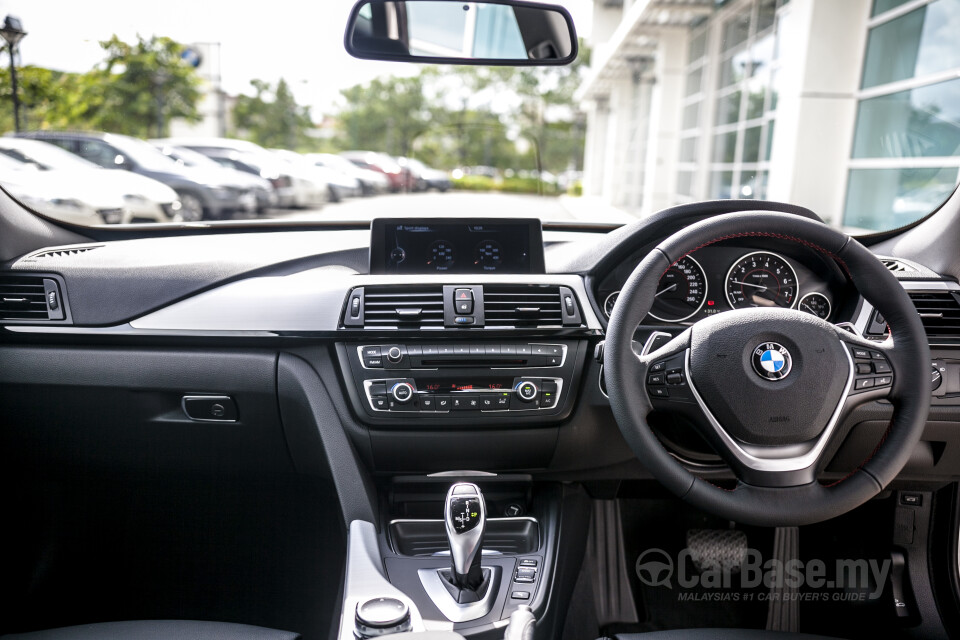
{"points": [[441, 345]]}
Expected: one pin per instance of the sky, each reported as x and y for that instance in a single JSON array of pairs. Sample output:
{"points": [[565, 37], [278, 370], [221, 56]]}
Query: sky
{"points": [[299, 40]]}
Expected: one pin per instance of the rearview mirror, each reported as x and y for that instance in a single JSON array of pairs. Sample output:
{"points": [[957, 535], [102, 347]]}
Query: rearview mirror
{"points": [[497, 32]]}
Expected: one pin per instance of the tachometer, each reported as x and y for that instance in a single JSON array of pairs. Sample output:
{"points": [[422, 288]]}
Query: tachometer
{"points": [[681, 292], [761, 279], [815, 303]]}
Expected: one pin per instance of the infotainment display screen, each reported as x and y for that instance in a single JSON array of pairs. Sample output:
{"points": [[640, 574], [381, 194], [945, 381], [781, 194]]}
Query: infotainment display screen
{"points": [[458, 245]]}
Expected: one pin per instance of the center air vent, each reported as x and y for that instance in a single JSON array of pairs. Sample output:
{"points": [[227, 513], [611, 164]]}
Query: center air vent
{"points": [[30, 299], [403, 307], [522, 306], [940, 313]]}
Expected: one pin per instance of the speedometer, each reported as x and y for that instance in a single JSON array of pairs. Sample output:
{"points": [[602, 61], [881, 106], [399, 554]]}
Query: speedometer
{"points": [[681, 291], [761, 279]]}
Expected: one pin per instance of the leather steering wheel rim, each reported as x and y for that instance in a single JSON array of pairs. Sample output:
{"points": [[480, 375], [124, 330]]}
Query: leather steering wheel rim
{"points": [[907, 352]]}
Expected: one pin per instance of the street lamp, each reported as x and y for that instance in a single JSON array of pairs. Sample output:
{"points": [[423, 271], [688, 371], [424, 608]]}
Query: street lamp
{"points": [[12, 31]]}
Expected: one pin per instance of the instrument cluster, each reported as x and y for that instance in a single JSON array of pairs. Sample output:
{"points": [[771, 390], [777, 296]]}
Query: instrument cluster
{"points": [[723, 277]]}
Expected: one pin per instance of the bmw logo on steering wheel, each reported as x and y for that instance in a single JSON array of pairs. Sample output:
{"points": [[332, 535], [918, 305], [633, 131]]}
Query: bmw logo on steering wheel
{"points": [[772, 361]]}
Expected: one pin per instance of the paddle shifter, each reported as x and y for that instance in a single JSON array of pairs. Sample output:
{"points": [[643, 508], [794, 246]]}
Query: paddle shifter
{"points": [[464, 514]]}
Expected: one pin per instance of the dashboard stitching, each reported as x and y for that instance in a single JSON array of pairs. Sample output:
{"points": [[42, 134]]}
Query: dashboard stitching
{"points": [[763, 234]]}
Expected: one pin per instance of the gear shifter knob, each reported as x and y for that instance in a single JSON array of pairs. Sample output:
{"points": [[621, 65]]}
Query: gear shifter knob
{"points": [[464, 514]]}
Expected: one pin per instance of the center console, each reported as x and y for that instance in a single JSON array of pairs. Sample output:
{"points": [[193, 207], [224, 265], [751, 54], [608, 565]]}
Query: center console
{"points": [[466, 552]]}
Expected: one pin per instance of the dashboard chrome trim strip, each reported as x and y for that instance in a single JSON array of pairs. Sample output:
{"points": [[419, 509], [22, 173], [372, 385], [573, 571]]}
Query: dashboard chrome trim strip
{"points": [[313, 300]]}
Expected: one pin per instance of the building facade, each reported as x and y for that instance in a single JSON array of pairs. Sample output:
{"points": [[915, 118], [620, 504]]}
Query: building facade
{"points": [[848, 107]]}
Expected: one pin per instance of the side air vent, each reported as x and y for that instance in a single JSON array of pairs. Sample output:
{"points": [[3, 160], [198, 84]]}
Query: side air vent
{"points": [[30, 299], [940, 313], [60, 253], [401, 307], [896, 266], [522, 306]]}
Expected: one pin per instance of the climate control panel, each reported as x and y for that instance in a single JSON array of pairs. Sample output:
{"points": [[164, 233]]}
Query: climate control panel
{"points": [[404, 395], [421, 383]]}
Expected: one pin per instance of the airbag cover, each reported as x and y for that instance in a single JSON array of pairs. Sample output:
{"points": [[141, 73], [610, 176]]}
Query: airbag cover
{"points": [[756, 410]]}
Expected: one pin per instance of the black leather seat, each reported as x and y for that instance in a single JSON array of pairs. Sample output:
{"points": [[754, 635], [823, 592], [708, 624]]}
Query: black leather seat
{"points": [[157, 630], [718, 634]]}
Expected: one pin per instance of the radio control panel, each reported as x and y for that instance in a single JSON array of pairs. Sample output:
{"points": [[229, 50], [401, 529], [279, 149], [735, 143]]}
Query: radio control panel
{"points": [[449, 354], [422, 383]]}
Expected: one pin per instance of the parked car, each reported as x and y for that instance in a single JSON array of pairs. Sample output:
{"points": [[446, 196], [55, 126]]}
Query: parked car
{"points": [[371, 182], [399, 179], [262, 188], [426, 177], [339, 185], [61, 197], [144, 199], [294, 189], [203, 194]]}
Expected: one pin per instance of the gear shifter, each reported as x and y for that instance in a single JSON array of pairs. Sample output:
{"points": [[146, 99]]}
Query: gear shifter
{"points": [[465, 517], [466, 591]]}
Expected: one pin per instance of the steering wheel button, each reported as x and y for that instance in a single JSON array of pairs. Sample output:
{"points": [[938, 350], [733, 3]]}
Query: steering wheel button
{"points": [[656, 379], [881, 367], [863, 354], [658, 366], [876, 355], [674, 378], [659, 392], [864, 367], [864, 383], [883, 381]]}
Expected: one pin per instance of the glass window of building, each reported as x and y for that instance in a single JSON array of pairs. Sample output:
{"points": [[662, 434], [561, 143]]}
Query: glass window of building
{"points": [[726, 138], [905, 155]]}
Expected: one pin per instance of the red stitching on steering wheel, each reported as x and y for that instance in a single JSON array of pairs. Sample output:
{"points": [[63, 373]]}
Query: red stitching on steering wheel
{"points": [[830, 254]]}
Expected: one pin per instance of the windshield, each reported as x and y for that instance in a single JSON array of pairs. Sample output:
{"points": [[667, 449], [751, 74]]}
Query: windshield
{"points": [[851, 110]]}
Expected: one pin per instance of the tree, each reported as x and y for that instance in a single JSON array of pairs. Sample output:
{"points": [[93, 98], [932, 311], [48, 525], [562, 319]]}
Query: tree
{"points": [[471, 115], [387, 114], [143, 86], [272, 117]]}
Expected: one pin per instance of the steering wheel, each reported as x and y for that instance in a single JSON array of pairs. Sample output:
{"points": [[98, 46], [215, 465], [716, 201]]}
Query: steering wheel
{"points": [[769, 387]]}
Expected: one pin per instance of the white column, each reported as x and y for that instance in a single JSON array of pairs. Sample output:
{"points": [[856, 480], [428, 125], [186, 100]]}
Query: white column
{"points": [[663, 142], [821, 57], [593, 153]]}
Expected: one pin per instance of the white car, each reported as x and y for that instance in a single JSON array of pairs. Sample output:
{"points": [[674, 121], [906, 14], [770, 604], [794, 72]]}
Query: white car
{"points": [[142, 199], [295, 187], [371, 182], [61, 196], [339, 184]]}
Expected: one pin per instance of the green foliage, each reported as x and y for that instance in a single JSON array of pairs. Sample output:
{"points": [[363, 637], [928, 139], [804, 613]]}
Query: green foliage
{"points": [[504, 185], [272, 117], [387, 114], [455, 116], [137, 90], [143, 86]]}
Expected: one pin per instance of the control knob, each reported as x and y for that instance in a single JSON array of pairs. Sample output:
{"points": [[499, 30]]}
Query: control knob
{"points": [[402, 391], [381, 617], [527, 391], [394, 354]]}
